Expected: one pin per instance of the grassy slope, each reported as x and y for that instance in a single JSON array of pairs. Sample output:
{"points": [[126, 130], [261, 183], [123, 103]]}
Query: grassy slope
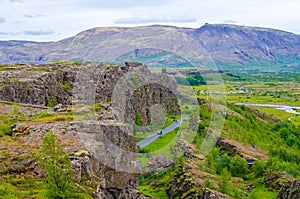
{"points": [[245, 127]]}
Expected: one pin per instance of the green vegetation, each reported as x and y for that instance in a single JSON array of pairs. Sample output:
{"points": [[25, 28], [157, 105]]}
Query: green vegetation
{"points": [[15, 188], [66, 85], [67, 62], [224, 182], [4, 85], [52, 101], [161, 142], [238, 167], [280, 140], [5, 129], [135, 80], [59, 174], [138, 119], [162, 179], [191, 80], [262, 193]]}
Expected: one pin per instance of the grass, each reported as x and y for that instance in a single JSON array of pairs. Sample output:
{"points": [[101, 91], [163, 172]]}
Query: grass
{"points": [[46, 117], [5, 129], [262, 193], [154, 191], [161, 179], [66, 85], [161, 141], [250, 98], [296, 120], [12, 187], [281, 114], [163, 144], [168, 121], [281, 92]]}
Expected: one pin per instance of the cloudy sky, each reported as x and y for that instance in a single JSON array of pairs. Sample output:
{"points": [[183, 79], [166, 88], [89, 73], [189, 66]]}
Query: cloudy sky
{"points": [[51, 20]]}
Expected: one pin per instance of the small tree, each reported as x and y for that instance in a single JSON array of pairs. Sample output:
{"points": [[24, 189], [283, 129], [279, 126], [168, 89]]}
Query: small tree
{"points": [[59, 174]]}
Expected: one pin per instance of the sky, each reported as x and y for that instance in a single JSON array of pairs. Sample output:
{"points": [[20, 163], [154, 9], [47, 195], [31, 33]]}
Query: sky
{"points": [[52, 20]]}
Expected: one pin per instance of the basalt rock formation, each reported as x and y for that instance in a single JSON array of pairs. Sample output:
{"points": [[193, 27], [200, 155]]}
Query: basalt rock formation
{"points": [[288, 186], [52, 84], [101, 143]]}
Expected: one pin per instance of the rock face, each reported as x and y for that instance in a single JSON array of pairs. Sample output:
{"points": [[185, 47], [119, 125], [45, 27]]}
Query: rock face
{"points": [[160, 161], [288, 187], [90, 165], [183, 184], [101, 145], [293, 192], [52, 84], [33, 87]]}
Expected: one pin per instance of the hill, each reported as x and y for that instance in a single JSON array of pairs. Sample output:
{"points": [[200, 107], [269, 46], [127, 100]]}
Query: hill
{"points": [[229, 46]]}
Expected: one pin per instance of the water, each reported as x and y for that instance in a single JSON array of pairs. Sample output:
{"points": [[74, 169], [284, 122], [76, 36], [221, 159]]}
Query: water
{"points": [[286, 108]]}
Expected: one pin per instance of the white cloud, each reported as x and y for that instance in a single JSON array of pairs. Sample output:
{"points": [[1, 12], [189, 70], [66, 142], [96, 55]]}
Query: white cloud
{"points": [[229, 21], [155, 19]]}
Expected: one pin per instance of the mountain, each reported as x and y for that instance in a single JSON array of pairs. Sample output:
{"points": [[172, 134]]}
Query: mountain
{"points": [[229, 46]]}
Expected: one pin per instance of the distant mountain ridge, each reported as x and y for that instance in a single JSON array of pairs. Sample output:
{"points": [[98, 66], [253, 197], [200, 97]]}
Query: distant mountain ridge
{"points": [[230, 46]]}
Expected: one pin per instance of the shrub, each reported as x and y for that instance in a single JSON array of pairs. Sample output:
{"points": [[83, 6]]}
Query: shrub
{"points": [[238, 167], [5, 130], [52, 101], [259, 168]]}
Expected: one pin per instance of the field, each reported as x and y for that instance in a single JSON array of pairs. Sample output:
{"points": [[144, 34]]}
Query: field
{"points": [[266, 89]]}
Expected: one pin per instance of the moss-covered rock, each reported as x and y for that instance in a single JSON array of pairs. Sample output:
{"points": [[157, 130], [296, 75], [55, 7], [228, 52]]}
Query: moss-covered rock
{"points": [[288, 186]]}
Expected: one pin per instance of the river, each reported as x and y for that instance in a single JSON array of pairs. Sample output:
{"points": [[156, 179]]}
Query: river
{"points": [[286, 108]]}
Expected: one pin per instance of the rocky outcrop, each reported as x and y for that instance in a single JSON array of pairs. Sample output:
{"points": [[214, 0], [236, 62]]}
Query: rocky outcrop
{"points": [[101, 146], [262, 116], [89, 83], [183, 185], [113, 183], [160, 161], [152, 94], [233, 147], [288, 187], [293, 192], [212, 194]]}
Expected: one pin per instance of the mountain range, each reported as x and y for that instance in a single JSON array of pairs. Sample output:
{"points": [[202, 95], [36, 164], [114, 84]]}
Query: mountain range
{"points": [[228, 46]]}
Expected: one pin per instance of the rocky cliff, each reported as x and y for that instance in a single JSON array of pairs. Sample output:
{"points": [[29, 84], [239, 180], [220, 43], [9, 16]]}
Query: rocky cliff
{"points": [[102, 151], [52, 84]]}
